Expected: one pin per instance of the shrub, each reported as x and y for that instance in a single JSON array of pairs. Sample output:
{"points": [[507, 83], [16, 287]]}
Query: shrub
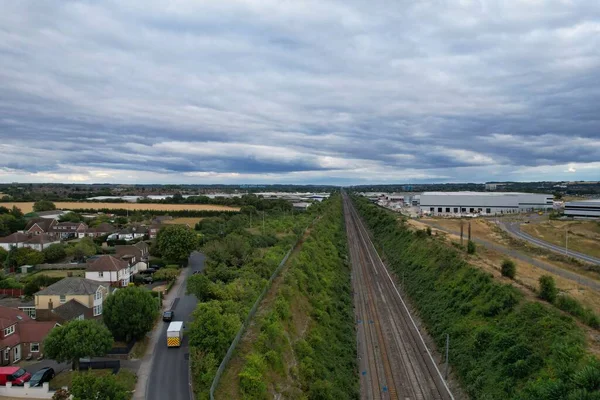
{"points": [[429, 231], [252, 383], [471, 248], [509, 269], [548, 290]]}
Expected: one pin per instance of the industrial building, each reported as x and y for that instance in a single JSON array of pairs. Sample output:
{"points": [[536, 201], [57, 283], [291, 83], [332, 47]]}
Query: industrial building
{"points": [[484, 203], [583, 209]]}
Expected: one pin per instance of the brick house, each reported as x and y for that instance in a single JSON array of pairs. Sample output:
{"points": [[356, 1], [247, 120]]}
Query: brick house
{"points": [[20, 336], [71, 298], [37, 226], [111, 270], [136, 255], [68, 230]]}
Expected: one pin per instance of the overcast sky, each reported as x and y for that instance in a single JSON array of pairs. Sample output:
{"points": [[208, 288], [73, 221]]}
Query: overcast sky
{"points": [[269, 91]]}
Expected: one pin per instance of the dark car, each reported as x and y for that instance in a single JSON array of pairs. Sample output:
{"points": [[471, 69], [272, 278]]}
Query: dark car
{"points": [[148, 279], [43, 375], [148, 271], [197, 272], [168, 316]]}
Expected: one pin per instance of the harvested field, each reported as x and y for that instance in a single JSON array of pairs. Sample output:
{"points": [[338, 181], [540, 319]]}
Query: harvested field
{"points": [[27, 207], [191, 221]]}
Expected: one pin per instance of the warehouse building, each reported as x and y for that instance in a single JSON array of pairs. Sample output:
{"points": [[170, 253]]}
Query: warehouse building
{"points": [[583, 209], [484, 203]]}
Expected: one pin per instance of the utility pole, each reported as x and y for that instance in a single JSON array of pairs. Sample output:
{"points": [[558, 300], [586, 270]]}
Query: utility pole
{"points": [[469, 231], [567, 241], [462, 231], [447, 351]]}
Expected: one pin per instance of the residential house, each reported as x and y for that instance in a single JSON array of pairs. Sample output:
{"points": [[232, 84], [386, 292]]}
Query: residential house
{"points": [[26, 306], [37, 226], [69, 230], [153, 231], [20, 336], [130, 233], [101, 230], [40, 242], [16, 239], [109, 269], [71, 298], [136, 255]]}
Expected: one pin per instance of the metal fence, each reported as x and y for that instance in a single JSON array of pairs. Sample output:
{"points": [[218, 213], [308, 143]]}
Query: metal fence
{"points": [[251, 314]]}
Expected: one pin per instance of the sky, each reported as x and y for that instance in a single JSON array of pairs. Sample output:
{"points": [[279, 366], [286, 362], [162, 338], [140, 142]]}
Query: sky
{"points": [[283, 91]]}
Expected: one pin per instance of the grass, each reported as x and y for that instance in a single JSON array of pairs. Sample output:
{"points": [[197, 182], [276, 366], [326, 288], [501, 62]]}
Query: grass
{"points": [[27, 207], [139, 348], [191, 221], [584, 236], [65, 378], [55, 273]]}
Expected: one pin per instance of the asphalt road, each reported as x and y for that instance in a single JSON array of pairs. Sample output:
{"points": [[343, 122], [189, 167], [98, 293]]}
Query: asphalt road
{"points": [[514, 229], [169, 379], [394, 361]]}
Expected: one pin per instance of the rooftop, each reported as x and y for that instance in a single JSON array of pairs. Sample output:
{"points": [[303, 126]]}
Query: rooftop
{"points": [[107, 263], [71, 286], [70, 310]]}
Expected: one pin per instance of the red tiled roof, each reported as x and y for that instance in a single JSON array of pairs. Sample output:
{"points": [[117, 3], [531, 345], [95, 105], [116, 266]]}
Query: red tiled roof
{"points": [[107, 263], [42, 239], [10, 316], [17, 237], [34, 331]]}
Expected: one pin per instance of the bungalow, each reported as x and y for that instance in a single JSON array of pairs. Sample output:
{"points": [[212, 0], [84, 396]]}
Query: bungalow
{"points": [[16, 239], [68, 230], [20, 336], [40, 242], [37, 226], [101, 230], [109, 269], [130, 233], [136, 256], [71, 298]]}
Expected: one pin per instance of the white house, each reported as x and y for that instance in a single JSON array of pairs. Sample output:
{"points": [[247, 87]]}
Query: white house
{"points": [[130, 233], [16, 239], [109, 269], [40, 242]]}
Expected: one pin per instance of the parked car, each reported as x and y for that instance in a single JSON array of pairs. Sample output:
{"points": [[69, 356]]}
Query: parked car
{"points": [[148, 279], [17, 376], [43, 375], [168, 316], [197, 272], [148, 271]]}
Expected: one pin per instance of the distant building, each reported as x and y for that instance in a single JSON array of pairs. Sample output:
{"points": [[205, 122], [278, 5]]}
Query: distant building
{"points": [[462, 203], [583, 208], [301, 206]]}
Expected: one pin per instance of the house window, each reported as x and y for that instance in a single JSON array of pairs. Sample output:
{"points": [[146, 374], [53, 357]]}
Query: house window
{"points": [[9, 331], [455, 209], [29, 311], [100, 274], [447, 209], [35, 347], [439, 209], [97, 310], [63, 299], [488, 210], [6, 354], [98, 295]]}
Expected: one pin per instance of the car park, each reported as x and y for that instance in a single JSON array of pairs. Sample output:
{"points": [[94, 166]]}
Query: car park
{"points": [[41, 376]]}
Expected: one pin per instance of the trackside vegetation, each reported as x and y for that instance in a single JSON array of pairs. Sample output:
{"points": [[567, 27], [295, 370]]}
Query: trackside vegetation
{"points": [[306, 345], [241, 252], [502, 345]]}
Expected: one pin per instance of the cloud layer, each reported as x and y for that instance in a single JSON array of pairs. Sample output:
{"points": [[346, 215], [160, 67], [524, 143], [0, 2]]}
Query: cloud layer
{"points": [[313, 91]]}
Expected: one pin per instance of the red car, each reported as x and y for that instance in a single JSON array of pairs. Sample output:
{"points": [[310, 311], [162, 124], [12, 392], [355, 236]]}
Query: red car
{"points": [[17, 376]]}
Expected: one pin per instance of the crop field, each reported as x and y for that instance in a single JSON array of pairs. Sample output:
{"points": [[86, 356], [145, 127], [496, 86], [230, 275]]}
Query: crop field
{"points": [[191, 221], [27, 207]]}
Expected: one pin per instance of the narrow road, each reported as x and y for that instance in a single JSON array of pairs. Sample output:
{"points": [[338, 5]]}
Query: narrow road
{"points": [[514, 229], [580, 279], [169, 378], [394, 361]]}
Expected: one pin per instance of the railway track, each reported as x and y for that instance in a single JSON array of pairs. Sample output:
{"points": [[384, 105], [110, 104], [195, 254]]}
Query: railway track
{"points": [[394, 361]]}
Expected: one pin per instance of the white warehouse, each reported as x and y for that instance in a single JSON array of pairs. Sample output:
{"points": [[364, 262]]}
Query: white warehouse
{"points": [[459, 203], [583, 209]]}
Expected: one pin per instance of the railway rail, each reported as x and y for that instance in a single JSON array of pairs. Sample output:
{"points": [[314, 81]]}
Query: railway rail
{"points": [[394, 361]]}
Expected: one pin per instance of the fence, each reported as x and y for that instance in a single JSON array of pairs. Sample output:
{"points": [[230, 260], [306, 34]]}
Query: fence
{"points": [[11, 292], [60, 266], [248, 319]]}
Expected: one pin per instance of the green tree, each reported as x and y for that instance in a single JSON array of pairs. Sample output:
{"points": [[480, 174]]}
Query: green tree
{"points": [[509, 268], [548, 290], [213, 327], [176, 243], [78, 339], [166, 274], [43, 205], [130, 313], [17, 213], [37, 282], [199, 285], [84, 248], [54, 252], [25, 256], [71, 217], [6, 221], [87, 386], [471, 248]]}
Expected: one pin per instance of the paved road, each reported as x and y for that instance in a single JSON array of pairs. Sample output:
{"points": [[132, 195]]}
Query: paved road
{"points": [[514, 229], [169, 378], [580, 279], [394, 361]]}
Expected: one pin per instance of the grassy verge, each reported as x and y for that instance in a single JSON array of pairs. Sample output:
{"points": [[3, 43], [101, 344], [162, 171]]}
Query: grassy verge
{"points": [[503, 346], [139, 348], [127, 378]]}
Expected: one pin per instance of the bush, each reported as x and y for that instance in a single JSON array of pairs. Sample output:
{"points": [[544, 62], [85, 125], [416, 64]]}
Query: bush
{"points": [[428, 231], [575, 308], [54, 252], [548, 290], [471, 248], [509, 269]]}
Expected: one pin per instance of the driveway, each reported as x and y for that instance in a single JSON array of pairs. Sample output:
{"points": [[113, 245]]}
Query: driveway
{"points": [[515, 230], [169, 373]]}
